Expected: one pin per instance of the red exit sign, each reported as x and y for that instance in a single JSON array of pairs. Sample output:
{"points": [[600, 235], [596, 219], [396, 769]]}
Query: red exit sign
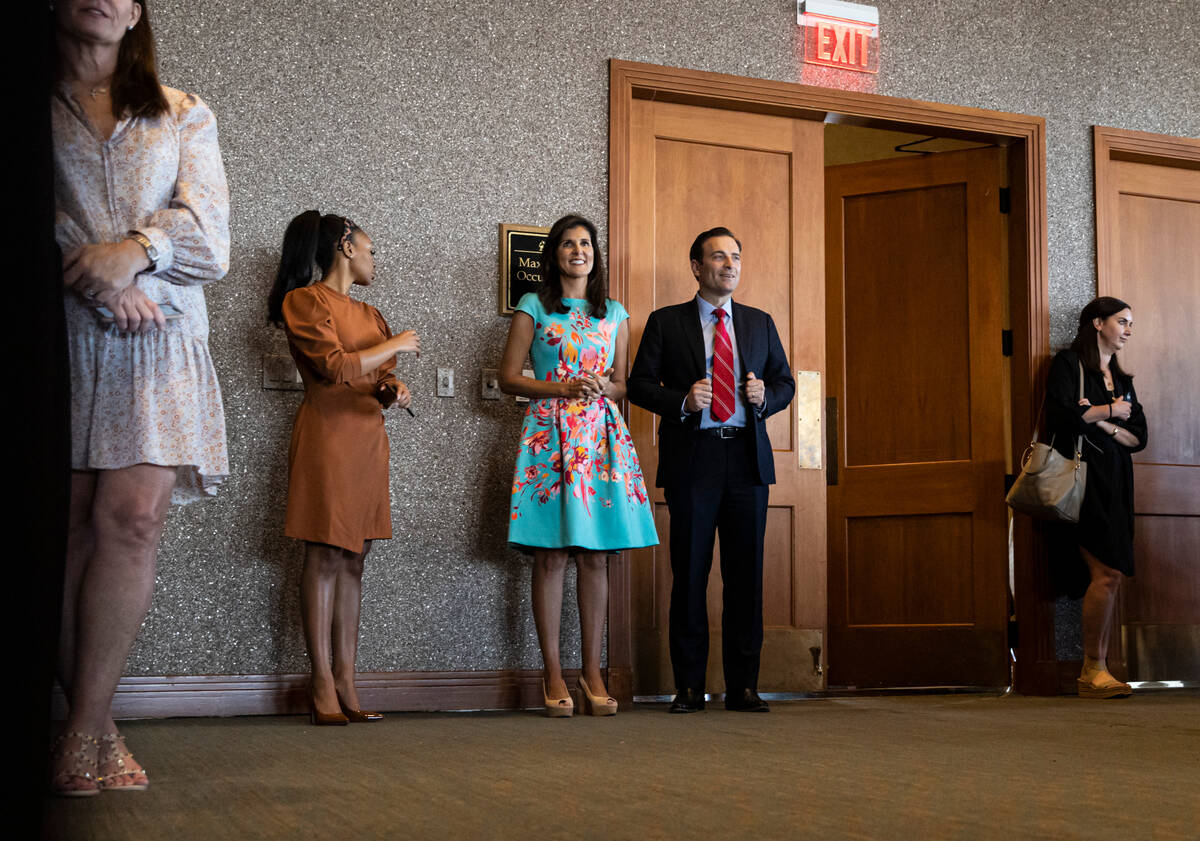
{"points": [[838, 34]]}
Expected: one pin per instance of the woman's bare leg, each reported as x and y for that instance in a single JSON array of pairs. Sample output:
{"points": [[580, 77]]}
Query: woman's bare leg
{"points": [[67, 771], [112, 588], [548, 568], [129, 508], [1099, 605], [81, 543], [347, 605], [592, 590], [318, 586]]}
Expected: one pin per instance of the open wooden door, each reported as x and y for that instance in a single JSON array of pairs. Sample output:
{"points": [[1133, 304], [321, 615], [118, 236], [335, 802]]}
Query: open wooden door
{"points": [[692, 168], [1148, 254], [917, 282]]}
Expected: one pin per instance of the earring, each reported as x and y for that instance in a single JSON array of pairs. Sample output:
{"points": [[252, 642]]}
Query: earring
{"points": [[129, 28]]}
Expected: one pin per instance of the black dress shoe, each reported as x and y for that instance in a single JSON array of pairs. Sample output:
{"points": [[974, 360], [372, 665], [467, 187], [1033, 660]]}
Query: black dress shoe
{"points": [[746, 701], [688, 701]]}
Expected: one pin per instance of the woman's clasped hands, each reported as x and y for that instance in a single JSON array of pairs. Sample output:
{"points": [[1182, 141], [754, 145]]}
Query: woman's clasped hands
{"points": [[103, 274], [588, 386]]}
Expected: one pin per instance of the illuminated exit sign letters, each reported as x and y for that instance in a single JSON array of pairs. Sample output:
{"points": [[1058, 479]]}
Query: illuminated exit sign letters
{"points": [[838, 34]]}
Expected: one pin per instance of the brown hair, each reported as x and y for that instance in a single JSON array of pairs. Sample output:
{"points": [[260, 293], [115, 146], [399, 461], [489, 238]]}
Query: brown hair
{"points": [[136, 90], [1084, 344], [551, 289]]}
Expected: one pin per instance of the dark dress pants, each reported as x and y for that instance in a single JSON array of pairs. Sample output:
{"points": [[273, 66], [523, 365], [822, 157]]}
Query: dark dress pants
{"points": [[723, 499]]}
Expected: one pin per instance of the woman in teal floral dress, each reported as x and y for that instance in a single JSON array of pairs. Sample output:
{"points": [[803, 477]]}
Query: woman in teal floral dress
{"points": [[578, 488]]}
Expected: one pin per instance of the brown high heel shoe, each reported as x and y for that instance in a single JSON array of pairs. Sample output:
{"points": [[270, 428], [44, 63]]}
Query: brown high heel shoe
{"points": [[596, 704], [557, 707], [321, 719], [357, 716]]}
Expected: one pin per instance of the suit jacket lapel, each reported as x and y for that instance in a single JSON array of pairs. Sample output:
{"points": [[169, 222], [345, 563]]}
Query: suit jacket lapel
{"points": [[694, 337]]}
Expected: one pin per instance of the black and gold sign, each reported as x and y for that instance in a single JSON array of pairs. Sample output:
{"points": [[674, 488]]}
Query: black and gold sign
{"points": [[520, 263]]}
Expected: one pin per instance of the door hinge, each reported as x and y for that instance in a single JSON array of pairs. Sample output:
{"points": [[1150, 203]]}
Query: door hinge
{"points": [[1005, 199], [1006, 342]]}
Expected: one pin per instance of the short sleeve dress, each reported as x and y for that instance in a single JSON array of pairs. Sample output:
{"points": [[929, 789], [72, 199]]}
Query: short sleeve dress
{"points": [[1105, 526], [578, 483], [149, 397], [338, 491]]}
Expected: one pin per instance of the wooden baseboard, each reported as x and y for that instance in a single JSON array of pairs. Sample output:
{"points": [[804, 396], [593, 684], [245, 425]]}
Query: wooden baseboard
{"points": [[1041, 677], [167, 696]]}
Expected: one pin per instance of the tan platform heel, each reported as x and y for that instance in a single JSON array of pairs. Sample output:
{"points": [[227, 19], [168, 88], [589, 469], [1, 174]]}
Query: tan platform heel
{"points": [[596, 704], [557, 707]]}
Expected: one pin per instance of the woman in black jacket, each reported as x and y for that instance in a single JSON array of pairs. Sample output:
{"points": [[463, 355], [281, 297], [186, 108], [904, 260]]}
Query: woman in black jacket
{"points": [[1113, 426]]}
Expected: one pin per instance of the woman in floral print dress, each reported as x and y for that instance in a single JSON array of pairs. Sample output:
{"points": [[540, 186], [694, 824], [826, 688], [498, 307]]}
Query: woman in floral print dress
{"points": [[578, 487], [142, 218]]}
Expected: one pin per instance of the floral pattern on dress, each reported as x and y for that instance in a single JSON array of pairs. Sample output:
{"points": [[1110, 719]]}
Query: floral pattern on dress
{"points": [[578, 481], [147, 397]]}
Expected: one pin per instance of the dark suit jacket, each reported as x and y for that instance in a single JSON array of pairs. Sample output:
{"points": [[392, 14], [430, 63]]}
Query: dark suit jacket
{"points": [[671, 358]]}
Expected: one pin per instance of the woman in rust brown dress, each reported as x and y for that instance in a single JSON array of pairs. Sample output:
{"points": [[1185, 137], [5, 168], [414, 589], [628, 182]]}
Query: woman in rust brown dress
{"points": [[338, 500]]}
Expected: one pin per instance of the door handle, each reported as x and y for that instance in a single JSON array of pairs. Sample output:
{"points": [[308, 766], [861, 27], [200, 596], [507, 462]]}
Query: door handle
{"points": [[831, 441]]}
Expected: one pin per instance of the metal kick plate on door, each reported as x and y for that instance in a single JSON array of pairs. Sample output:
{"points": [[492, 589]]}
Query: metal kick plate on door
{"points": [[808, 419]]}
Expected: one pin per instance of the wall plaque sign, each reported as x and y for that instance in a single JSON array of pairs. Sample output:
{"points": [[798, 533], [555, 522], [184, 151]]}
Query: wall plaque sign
{"points": [[520, 262], [839, 34]]}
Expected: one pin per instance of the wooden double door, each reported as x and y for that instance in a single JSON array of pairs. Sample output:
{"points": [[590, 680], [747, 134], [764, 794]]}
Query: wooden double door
{"points": [[886, 533]]}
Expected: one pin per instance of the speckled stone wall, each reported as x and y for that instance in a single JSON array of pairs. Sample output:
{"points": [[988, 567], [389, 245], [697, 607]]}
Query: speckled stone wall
{"points": [[431, 122]]}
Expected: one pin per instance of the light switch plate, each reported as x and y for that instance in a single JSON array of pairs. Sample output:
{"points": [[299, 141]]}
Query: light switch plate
{"points": [[445, 382], [490, 387]]}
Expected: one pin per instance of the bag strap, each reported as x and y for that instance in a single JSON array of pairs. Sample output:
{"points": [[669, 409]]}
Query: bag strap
{"points": [[1079, 440], [1041, 409]]}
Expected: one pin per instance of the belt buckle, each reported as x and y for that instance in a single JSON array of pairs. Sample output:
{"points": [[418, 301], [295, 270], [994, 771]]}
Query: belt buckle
{"points": [[727, 432]]}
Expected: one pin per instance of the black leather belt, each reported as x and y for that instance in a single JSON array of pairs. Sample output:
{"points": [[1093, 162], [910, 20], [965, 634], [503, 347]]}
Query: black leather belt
{"points": [[724, 432]]}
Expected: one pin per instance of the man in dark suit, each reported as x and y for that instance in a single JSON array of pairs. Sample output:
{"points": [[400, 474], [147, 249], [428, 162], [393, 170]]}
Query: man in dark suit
{"points": [[714, 371]]}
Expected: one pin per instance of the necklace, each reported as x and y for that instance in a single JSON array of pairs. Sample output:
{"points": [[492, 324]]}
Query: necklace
{"points": [[94, 92]]}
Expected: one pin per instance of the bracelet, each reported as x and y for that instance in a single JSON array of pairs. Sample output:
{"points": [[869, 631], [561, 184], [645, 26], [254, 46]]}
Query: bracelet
{"points": [[1110, 410]]}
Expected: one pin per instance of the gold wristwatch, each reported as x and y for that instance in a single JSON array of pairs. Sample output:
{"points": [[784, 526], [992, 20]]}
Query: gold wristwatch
{"points": [[144, 241]]}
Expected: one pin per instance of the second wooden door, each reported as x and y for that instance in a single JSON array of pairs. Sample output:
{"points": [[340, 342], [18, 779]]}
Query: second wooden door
{"points": [[917, 522], [693, 168]]}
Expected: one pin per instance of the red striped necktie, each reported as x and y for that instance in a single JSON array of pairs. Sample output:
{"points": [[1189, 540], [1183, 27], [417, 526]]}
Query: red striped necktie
{"points": [[722, 379]]}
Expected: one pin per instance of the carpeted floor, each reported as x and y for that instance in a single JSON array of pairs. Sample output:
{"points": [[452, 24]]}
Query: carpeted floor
{"points": [[916, 767]]}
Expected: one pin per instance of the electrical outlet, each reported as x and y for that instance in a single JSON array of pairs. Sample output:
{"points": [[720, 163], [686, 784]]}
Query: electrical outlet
{"points": [[490, 389], [445, 382]]}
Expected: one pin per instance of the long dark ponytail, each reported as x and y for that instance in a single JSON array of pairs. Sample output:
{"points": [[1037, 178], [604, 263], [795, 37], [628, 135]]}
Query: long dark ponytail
{"points": [[310, 239], [1084, 343]]}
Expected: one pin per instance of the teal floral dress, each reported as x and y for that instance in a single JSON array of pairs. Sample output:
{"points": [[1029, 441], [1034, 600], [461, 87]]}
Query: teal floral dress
{"points": [[578, 483]]}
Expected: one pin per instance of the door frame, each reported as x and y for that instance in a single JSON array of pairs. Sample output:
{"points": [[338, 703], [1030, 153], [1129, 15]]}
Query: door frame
{"points": [[1025, 138], [1114, 144]]}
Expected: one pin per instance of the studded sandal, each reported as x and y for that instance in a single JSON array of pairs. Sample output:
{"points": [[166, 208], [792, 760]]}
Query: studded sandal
{"points": [[79, 777], [115, 760]]}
